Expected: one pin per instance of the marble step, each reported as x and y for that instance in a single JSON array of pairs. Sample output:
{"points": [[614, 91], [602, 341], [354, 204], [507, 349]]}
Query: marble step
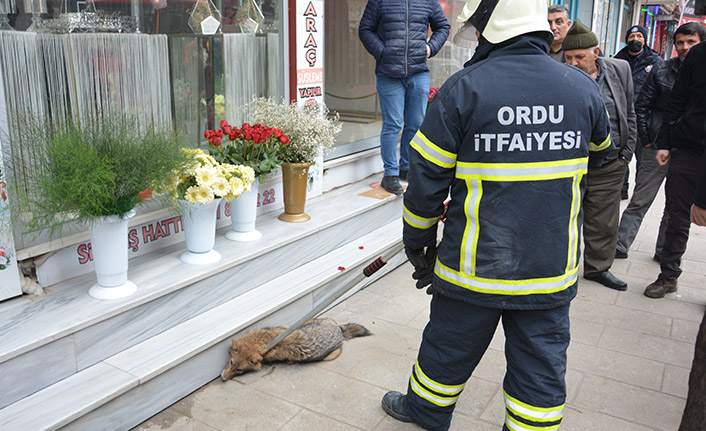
{"points": [[123, 390], [68, 331]]}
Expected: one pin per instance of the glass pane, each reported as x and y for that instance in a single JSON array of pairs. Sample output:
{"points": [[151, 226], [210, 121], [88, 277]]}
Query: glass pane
{"points": [[350, 73]]}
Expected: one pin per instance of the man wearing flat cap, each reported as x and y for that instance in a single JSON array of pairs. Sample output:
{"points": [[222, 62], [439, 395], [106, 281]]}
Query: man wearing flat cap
{"points": [[606, 172]]}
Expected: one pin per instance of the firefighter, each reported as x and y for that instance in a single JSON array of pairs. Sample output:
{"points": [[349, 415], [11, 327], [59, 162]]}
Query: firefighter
{"points": [[508, 139]]}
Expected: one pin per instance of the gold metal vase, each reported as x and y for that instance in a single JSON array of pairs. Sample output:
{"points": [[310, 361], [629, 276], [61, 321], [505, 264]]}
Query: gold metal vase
{"points": [[294, 181]]}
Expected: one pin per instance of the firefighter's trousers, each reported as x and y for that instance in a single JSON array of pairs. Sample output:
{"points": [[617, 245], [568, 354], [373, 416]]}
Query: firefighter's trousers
{"points": [[455, 339]]}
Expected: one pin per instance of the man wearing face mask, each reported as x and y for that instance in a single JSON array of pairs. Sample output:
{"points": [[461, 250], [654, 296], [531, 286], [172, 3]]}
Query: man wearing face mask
{"points": [[641, 58], [508, 138]]}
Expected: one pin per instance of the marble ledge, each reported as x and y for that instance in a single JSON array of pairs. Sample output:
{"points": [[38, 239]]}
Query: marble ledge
{"points": [[147, 359], [78, 310], [68, 399]]}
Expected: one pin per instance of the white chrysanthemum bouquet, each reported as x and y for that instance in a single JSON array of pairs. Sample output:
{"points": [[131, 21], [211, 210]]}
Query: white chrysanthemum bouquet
{"points": [[205, 179]]}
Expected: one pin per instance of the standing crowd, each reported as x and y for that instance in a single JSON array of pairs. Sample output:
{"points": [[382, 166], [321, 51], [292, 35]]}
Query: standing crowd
{"points": [[518, 154]]}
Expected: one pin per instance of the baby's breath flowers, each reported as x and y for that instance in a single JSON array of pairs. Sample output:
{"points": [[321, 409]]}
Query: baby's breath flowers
{"points": [[205, 179]]}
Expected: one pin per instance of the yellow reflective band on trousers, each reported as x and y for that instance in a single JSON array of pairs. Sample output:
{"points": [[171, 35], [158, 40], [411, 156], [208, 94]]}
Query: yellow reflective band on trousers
{"points": [[533, 171], [532, 413], [515, 425], [600, 147], [434, 392], [507, 287], [431, 152], [417, 221]]}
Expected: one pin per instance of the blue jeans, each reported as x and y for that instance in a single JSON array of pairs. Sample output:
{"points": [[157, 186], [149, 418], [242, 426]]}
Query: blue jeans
{"points": [[403, 103]]}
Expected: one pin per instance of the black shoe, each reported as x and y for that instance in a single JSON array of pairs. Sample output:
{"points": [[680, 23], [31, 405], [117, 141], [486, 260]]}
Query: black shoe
{"points": [[403, 174], [608, 280], [657, 258], [623, 196], [392, 184], [620, 254], [393, 404]]}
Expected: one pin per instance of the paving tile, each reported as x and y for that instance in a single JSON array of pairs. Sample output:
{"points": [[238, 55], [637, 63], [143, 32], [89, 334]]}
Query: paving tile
{"points": [[666, 350], [684, 330], [637, 405], [495, 412], [383, 369], [401, 310], [594, 292], [615, 365], [236, 407], [573, 383], [581, 419], [172, 420], [676, 381], [647, 270], [696, 280], [612, 315], [583, 331], [347, 400], [310, 421], [665, 307], [476, 396]]}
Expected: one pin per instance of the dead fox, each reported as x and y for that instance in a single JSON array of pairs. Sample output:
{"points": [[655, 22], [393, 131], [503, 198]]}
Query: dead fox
{"points": [[316, 340]]}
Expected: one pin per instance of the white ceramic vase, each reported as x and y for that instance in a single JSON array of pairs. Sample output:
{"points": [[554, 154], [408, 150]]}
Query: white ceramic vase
{"points": [[200, 232], [109, 246], [243, 212]]}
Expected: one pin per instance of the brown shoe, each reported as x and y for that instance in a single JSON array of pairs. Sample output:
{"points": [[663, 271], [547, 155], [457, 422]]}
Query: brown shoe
{"points": [[661, 287]]}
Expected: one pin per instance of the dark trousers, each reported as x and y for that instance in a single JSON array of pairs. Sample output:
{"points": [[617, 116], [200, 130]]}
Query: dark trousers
{"points": [[454, 341], [694, 417], [601, 213], [680, 191], [638, 159]]}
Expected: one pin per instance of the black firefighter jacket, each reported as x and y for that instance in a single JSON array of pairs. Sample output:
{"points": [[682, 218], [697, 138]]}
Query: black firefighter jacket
{"points": [[652, 101], [509, 138]]}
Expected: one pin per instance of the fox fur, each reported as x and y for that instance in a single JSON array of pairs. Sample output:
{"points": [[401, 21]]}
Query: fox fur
{"points": [[316, 340]]}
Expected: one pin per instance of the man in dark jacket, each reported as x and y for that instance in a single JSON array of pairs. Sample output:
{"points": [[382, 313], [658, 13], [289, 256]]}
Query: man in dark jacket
{"points": [[641, 58], [395, 33], [508, 138], [605, 174], [649, 108], [681, 143]]}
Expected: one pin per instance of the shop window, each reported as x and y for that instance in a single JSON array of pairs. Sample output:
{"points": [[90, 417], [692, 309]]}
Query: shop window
{"points": [[350, 73], [77, 59]]}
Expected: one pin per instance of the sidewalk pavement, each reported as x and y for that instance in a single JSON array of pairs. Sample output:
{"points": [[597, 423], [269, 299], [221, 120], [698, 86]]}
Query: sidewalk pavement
{"points": [[628, 362]]}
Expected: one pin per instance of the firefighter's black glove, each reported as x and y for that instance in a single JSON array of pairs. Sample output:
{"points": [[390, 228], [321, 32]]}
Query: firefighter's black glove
{"points": [[423, 262]]}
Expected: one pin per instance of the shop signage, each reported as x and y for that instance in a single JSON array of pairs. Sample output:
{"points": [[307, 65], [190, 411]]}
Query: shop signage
{"points": [[310, 52]]}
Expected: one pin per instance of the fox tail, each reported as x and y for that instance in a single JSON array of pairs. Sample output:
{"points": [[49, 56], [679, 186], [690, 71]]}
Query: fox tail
{"points": [[352, 330]]}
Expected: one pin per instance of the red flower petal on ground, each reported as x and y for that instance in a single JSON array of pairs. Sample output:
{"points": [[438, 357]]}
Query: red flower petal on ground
{"points": [[361, 247], [341, 268]]}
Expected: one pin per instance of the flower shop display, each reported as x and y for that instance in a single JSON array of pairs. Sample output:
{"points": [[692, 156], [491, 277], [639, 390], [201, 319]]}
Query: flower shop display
{"points": [[199, 190], [312, 131], [94, 174], [255, 146]]}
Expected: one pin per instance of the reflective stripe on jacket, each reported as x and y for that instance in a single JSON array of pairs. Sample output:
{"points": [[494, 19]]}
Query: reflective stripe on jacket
{"points": [[509, 139]]}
